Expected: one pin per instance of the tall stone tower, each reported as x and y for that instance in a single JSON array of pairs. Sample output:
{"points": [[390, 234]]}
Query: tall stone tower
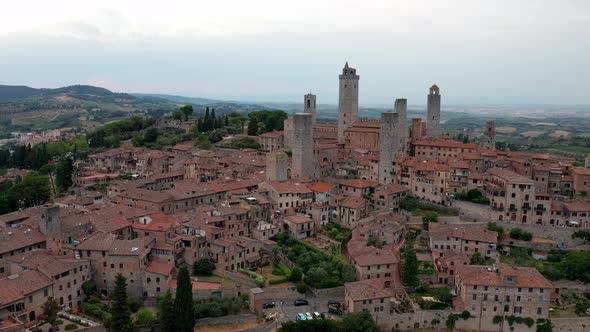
{"points": [[276, 166], [50, 225], [417, 132], [388, 145], [348, 100], [401, 108], [433, 111], [489, 135], [288, 133], [302, 147], [309, 106]]}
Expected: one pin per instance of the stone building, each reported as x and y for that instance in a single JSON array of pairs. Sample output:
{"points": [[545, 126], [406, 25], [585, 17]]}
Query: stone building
{"points": [[348, 101], [489, 135], [501, 290], [272, 140], [511, 195], [302, 147], [309, 106], [276, 166], [433, 112]]}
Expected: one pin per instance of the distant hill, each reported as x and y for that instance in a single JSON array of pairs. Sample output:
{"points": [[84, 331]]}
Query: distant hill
{"points": [[180, 99]]}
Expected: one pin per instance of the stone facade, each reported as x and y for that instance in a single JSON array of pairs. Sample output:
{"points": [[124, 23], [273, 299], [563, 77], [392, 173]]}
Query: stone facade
{"points": [[489, 135], [276, 166], [309, 106], [389, 146], [348, 101], [433, 112], [303, 161]]}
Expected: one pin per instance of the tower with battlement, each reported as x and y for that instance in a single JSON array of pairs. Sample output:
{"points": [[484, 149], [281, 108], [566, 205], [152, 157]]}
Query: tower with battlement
{"points": [[309, 106], [489, 135], [433, 112], [348, 101], [303, 161]]}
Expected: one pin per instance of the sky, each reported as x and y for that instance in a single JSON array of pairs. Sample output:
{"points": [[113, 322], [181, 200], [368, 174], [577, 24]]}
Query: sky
{"points": [[476, 51]]}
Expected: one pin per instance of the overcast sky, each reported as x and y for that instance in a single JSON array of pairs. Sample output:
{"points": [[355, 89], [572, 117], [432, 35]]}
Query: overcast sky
{"points": [[501, 51]]}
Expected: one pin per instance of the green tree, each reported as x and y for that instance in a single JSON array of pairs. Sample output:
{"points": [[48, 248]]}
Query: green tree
{"points": [[203, 267], [63, 173], [410, 269], [204, 144], [50, 309], [89, 287], [121, 321], [187, 111], [183, 304], [166, 314], [151, 135], [315, 275], [144, 317], [357, 322], [476, 259], [429, 217], [295, 275]]}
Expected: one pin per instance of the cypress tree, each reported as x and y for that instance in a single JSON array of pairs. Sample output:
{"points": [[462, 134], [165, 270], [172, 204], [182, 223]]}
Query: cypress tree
{"points": [[183, 304], [120, 310], [166, 313]]}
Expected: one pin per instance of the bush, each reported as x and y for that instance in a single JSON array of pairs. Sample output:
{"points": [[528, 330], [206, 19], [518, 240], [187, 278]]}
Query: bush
{"points": [[519, 234], [71, 327], [295, 275], [59, 322], [144, 317], [301, 287], [259, 279], [203, 267], [493, 227], [134, 304], [89, 287], [429, 217]]}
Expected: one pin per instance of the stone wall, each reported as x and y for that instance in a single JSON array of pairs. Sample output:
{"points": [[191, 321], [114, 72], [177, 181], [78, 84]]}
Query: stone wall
{"points": [[578, 324], [233, 319]]}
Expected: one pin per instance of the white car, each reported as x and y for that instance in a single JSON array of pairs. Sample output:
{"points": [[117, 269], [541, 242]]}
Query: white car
{"points": [[316, 315], [308, 316]]}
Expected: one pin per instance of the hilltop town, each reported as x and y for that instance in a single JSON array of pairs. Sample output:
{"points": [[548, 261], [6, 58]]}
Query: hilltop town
{"points": [[387, 216]]}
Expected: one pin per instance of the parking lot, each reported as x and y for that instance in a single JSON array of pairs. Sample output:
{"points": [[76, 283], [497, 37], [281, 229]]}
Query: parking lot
{"points": [[288, 311]]}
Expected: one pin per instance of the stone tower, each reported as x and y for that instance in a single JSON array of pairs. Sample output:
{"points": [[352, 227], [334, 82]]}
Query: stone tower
{"points": [[348, 100], [433, 112], [401, 108], [276, 166], [50, 225], [417, 132], [489, 135], [288, 133], [302, 147], [309, 106], [388, 145], [49, 219]]}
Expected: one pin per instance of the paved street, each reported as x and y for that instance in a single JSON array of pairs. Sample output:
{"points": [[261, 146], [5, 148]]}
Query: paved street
{"points": [[288, 311]]}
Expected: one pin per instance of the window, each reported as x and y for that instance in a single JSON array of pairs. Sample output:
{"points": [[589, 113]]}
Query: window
{"points": [[539, 311]]}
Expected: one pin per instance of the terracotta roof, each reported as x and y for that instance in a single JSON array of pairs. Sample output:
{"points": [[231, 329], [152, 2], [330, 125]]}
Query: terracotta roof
{"points": [[364, 255], [41, 260], [16, 238], [98, 241], [440, 231], [272, 134], [581, 170], [298, 219], [14, 288], [577, 206], [524, 277], [367, 290], [160, 266], [289, 187], [445, 144], [353, 202], [509, 175]]}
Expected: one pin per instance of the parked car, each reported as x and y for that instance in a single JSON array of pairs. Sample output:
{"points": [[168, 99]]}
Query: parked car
{"points": [[316, 315], [301, 302], [323, 315], [269, 305], [301, 316], [333, 303], [308, 316], [334, 310]]}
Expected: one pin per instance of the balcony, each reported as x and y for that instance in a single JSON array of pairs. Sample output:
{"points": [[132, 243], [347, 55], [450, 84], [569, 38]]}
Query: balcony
{"points": [[512, 209], [526, 206], [540, 208], [498, 208]]}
